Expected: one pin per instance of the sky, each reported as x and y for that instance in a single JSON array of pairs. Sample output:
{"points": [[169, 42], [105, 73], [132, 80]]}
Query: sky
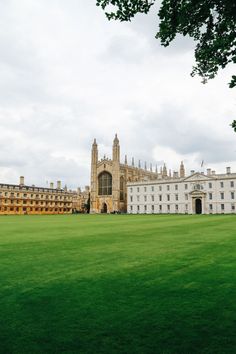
{"points": [[68, 75]]}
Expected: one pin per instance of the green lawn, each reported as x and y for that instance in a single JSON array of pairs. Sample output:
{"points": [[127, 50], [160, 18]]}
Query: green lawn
{"points": [[118, 284]]}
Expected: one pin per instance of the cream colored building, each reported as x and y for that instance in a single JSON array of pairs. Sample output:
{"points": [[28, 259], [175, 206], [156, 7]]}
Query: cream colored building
{"points": [[109, 178], [197, 193], [23, 199]]}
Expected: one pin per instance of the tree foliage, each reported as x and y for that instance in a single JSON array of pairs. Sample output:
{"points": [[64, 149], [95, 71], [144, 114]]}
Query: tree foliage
{"points": [[211, 23], [233, 125]]}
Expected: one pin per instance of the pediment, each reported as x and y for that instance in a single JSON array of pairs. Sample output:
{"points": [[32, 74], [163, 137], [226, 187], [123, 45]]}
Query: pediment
{"points": [[197, 177], [197, 192]]}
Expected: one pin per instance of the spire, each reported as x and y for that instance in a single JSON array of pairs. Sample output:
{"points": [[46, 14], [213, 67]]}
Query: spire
{"points": [[94, 152], [164, 170], [125, 159], [132, 161], [116, 149], [116, 140], [150, 167], [145, 166], [182, 170], [139, 164]]}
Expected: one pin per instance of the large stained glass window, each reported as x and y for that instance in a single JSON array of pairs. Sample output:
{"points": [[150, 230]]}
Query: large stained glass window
{"points": [[105, 184]]}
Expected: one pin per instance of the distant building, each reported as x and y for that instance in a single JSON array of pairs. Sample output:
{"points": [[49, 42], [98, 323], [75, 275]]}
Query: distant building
{"points": [[109, 178], [81, 200], [197, 193], [23, 199]]}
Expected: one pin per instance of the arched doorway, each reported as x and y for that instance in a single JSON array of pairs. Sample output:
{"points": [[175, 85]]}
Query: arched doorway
{"points": [[104, 208], [198, 206]]}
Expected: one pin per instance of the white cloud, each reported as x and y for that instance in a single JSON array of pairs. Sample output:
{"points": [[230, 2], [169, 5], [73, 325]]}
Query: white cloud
{"points": [[68, 75]]}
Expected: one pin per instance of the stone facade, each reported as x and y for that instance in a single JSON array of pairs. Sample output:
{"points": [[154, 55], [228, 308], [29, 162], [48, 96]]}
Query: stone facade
{"points": [[197, 193], [22, 199], [109, 178], [81, 200]]}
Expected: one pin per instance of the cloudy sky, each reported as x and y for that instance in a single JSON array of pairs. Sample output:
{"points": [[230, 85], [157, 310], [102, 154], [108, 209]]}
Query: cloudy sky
{"points": [[68, 75]]}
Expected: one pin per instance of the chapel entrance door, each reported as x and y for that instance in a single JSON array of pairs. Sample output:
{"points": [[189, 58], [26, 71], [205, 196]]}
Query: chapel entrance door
{"points": [[104, 208]]}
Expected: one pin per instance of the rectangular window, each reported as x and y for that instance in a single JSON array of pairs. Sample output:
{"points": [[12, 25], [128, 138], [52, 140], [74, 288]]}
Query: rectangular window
{"points": [[176, 197], [152, 188], [210, 206], [222, 184], [221, 195], [186, 186], [160, 208], [176, 207], [137, 198], [160, 198], [186, 206], [176, 187], [186, 196], [152, 198], [232, 184], [153, 208], [168, 187], [232, 207], [160, 188], [131, 198], [168, 207], [210, 195], [138, 208], [210, 185], [222, 207], [131, 208], [168, 197], [232, 195], [138, 189], [145, 198], [145, 208]]}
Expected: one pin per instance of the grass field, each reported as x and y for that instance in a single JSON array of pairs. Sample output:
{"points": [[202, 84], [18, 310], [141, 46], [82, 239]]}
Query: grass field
{"points": [[118, 284]]}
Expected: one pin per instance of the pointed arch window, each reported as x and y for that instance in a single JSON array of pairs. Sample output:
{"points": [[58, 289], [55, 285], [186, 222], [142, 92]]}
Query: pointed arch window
{"points": [[105, 184], [122, 188]]}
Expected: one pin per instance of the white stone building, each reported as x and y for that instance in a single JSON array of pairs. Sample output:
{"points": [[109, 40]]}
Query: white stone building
{"points": [[197, 193]]}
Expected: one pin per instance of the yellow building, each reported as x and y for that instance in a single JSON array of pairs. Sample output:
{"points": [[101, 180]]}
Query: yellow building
{"points": [[81, 200], [109, 179], [23, 199]]}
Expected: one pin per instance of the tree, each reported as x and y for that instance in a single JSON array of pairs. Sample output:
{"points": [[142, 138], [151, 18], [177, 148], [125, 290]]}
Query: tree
{"points": [[233, 125], [211, 23]]}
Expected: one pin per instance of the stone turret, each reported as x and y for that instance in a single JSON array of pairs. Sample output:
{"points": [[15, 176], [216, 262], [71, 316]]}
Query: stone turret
{"points": [[116, 149], [94, 161], [116, 174]]}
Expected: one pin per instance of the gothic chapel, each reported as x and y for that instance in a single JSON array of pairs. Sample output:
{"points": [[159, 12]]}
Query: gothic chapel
{"points": [[109, 179]]}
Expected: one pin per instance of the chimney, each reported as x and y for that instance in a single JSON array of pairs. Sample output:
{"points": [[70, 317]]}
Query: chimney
{"points": [[228, 170], [208, 172], [22, 180], [51, 185], [58, 184]]}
